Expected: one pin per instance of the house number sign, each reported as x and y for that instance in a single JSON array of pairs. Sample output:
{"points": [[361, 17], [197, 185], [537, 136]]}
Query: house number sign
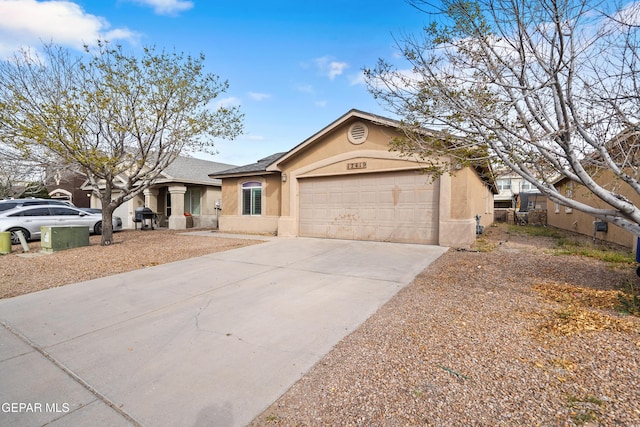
{"points": [[360, 165]]}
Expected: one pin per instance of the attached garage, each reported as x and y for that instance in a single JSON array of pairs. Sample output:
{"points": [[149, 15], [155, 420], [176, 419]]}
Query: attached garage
{"points": [[392, 207], [347, 182]]}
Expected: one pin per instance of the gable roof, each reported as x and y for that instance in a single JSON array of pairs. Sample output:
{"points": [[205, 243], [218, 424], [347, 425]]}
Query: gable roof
{"points": [[257, 168], [191, 170], [353, 113], [270, 165]]}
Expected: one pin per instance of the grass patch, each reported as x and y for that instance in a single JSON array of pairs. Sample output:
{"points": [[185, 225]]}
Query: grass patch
{"points": [[538, 231], [272, 419], [584, 409], [628, 299], [483, 245], [568, 244], [607, 255]]}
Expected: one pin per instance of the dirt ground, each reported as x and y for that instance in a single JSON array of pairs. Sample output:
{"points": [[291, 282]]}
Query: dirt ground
{"points": [[516, 335], [131, 249], [510, 333]]}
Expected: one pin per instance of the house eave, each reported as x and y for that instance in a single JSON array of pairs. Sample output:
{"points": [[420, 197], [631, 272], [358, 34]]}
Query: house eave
{"points": [[243, 174], [275, 166]]}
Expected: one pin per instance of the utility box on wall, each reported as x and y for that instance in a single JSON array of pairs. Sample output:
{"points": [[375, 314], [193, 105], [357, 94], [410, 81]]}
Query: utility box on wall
{"points": [[58, 238]]}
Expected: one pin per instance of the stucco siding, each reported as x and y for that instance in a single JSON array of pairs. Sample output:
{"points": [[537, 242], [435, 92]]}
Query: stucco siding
{"points": [[336, 184], [574, 220]]}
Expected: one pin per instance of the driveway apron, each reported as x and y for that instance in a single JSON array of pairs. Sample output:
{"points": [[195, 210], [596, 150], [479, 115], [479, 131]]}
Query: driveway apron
{"points": [[209, 341]]}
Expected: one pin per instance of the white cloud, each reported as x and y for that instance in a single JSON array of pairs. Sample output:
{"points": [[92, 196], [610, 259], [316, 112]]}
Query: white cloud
{"points": [[166, 7], [25, 23], [231, 101], [259, 96], [327, 66], [321, 104], [304, 88], [252, 137], [356, 79]]}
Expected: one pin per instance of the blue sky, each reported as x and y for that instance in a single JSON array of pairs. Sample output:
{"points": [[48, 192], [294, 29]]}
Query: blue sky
{"points": [[293, 66]]}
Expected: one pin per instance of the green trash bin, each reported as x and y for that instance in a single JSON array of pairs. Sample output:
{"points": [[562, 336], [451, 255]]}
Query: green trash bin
{"points": [[5, 242]]}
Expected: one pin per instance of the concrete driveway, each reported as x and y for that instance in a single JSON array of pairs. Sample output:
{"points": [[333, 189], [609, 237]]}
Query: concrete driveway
{"points": [[209, 341]]}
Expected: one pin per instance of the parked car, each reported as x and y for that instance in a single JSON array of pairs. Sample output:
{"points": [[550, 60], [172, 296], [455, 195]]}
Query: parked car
{"points": [[92, 210], [5, 205], [29, 219]]}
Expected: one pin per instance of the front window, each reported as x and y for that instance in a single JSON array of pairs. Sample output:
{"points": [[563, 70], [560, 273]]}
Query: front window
{"points": [[527, 186], [252, 198], [192, 201], [504, 184], [569, 194]]}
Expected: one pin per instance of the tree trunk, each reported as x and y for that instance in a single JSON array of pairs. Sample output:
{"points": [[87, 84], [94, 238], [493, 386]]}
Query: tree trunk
{"points": [[107, 219]]}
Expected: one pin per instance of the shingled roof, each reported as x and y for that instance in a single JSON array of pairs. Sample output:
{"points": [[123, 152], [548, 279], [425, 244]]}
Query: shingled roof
{"points": [[257, 168], [191, 170]]}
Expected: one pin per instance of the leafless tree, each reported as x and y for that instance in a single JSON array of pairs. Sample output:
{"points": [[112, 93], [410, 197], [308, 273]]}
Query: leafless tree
{"points": [[548, 88]]}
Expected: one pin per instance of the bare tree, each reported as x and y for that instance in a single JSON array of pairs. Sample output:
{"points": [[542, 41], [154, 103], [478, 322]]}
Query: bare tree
{"points": [[118, 118], [16, 173], [548, 88]]}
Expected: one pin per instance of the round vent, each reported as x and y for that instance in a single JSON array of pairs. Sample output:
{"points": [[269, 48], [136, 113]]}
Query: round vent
{"points": [[358, 133]]}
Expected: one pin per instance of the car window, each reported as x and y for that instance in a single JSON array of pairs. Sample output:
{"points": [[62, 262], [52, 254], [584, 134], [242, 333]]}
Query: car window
{"points": [[33, 212], [63, 211], [34, 203], [4, 206]]}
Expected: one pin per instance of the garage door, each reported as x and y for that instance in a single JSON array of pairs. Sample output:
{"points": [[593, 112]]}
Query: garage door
{"points": [[393, 207]]}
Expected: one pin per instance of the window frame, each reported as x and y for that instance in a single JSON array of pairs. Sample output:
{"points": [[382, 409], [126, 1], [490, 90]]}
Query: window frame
{"points": [[189, 199], [251, 191], [503, 184]]}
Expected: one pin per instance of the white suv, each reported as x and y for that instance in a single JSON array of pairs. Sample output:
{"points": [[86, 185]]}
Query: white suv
{"points": [[16, 203]]}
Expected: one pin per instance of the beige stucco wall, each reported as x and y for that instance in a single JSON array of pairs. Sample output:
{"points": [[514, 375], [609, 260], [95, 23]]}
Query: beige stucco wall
{"points": [[231, 219], [330, 154], [470, 197], [208, 217], [573, 220], [462, 196]]}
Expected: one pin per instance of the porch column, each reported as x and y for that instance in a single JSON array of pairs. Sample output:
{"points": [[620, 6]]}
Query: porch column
{"points": [[177, 220], [151, 199]]}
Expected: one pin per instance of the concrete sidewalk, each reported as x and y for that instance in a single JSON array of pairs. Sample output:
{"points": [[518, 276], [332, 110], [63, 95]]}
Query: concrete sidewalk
{"points": [[209, 341]]}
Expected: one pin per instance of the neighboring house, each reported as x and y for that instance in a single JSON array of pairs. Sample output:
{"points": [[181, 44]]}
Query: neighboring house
{"points": [[183, 187], [623, 150], [571, 219], [510, 185], [344, 182], [66, 184]]}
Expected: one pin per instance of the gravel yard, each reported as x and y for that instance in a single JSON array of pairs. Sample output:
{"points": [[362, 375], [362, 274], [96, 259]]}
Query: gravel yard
{"points": [[130, 250], [512, 336], [509, 337]]}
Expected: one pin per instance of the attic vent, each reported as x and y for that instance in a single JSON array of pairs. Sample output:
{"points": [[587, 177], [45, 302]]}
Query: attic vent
{"points": [[358, 133]]}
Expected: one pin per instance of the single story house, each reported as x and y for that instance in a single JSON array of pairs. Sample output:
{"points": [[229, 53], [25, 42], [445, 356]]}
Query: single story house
{"points": [[344, 182], [183, 187]]}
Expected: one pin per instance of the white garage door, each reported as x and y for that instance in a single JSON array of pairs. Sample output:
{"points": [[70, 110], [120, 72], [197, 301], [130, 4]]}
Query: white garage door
{"points": [[394, 207]]}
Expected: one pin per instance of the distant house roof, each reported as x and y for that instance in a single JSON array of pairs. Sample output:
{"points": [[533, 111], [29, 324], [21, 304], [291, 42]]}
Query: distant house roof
{"points": [[192, 170], [257, 168]]}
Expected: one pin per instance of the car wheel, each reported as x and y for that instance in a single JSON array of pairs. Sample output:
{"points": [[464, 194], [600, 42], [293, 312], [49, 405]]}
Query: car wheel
{"points": [[97, 229], [15, 240]]}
